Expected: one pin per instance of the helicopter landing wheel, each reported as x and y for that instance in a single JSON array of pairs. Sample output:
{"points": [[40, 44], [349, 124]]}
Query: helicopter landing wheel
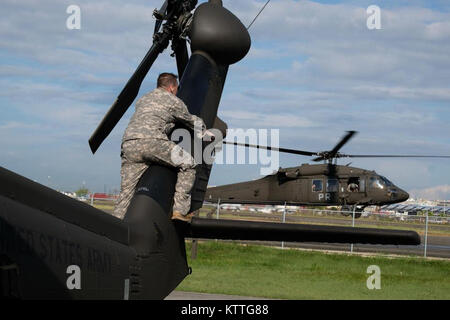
{"points": [[346, 211], [358, 211]]}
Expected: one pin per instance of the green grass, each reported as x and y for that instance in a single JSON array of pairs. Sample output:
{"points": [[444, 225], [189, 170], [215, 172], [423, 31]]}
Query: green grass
{"points": [[104, 207], [230, 268]]}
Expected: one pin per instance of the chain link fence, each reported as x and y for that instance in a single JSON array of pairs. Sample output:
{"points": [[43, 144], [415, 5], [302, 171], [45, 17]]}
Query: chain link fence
{"points": [[434, 230]]}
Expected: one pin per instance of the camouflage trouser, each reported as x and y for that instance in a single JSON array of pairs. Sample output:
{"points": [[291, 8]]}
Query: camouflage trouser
{"points": [[137, 155]]}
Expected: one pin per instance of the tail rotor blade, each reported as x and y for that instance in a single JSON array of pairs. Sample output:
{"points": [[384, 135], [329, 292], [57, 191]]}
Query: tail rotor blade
{"points": [[128, 94]]}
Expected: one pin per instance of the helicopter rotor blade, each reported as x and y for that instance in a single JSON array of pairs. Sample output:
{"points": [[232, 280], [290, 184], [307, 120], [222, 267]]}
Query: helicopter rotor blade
{"points": [[129, 92], [386, 156], [332, 154], [181, 55], [159, 14], [292, 151]]}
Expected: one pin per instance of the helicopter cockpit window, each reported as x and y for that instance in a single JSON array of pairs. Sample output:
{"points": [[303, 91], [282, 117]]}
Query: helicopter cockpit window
{"points": [[376, 183], [332, 185], [317, 186], [386, 181]]}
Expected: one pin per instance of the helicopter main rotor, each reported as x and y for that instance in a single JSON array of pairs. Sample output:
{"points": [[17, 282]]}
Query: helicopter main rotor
{"points": [[333, 153]]}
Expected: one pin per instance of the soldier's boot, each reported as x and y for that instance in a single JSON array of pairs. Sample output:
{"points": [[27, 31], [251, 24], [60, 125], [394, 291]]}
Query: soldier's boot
{"points": [[176, 215]]}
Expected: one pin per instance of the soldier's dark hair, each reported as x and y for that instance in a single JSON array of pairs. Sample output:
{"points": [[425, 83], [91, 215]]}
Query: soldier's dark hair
{"points": [[166, 79]]}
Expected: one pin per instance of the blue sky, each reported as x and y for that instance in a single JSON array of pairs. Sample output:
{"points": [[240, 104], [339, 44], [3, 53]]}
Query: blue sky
{"points": [[314, 71]]}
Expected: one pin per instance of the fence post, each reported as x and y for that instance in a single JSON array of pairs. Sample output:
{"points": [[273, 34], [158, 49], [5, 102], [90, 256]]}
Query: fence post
{"points": [[353, 225], [426, 236], [218, 209], [194, 246], [284, 220]]}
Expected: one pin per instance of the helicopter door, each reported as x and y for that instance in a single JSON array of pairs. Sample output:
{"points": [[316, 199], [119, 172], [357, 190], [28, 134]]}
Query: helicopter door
{"points": [[332, 191], [302, 190]]}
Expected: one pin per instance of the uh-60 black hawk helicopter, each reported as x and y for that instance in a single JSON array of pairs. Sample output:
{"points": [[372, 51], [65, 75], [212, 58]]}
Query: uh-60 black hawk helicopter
{"points": [[327, 184], [52, 246]]}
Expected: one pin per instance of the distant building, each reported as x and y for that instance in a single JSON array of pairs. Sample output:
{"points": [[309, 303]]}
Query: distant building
{"points": [[443, 203], [104, 196], [69, 194]]}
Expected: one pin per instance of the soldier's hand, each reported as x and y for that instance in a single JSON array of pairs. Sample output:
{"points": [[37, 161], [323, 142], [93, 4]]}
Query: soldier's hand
{"points": [[199, 128], [208, 134]]}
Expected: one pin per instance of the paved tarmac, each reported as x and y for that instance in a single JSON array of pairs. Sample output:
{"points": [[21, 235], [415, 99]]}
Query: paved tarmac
{"points": [[182, 295]]}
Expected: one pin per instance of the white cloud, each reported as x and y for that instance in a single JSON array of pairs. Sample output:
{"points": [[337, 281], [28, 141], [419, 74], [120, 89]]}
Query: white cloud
{"points": [[340, 52], [433, 193], [438, 30]]}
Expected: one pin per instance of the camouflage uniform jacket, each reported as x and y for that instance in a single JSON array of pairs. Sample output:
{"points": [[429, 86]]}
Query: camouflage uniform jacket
{"points": [[156, 114]]}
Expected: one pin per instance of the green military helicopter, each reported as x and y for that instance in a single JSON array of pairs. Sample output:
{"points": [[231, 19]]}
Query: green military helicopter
{"points": [[327, 184]]}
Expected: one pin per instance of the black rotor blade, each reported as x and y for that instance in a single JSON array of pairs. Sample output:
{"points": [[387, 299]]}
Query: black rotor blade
{"points": [[299, 152], [128, 94], [320, 158], [162, 12], [181, 55], [344, 140], [331, 154], [386, 156]]}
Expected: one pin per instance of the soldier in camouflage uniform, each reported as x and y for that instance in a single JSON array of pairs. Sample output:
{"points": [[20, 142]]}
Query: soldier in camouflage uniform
{"points": [[146, 141]]}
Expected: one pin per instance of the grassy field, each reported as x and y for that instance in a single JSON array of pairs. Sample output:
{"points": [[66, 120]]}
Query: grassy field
{"points": [[230, 268]]}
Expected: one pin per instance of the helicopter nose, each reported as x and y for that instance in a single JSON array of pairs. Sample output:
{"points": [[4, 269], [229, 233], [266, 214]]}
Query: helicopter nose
{"points": [[397, 195], [403, 195]]}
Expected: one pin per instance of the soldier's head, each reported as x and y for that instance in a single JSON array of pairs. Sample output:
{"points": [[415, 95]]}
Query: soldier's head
{"points": [[168, 82]]}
